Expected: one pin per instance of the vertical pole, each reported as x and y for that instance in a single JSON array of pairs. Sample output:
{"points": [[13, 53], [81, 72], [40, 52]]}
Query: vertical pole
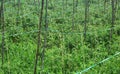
{"points": [[18, 11], [38, 3], [39, 37], [45, 38], [3, 29], [113, 19], [76, 4], [73, 23], [105, 2], [86, 17]]}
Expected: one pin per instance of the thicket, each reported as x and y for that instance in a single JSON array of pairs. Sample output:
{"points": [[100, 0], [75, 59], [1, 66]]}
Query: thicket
{"points": [[59, 36]]}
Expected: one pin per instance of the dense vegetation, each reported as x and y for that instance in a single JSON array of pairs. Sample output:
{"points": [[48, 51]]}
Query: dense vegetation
{"points": [[68, 46]]}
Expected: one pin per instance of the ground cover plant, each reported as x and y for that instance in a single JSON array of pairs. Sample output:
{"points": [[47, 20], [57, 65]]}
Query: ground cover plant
{"points": [[60, 37]]}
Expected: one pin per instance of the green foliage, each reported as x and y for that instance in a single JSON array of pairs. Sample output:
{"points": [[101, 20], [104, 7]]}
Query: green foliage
{"points": [[66, 52]]}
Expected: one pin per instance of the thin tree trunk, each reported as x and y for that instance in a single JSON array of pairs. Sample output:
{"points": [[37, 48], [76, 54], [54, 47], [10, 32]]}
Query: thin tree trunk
{"points": [[39, 37], [86, 17], [73, 23], [113, 19], [63, 3], [18, 12], [45, 38], [105, 4], [3, 29], [76, 4], [38, 3]]}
